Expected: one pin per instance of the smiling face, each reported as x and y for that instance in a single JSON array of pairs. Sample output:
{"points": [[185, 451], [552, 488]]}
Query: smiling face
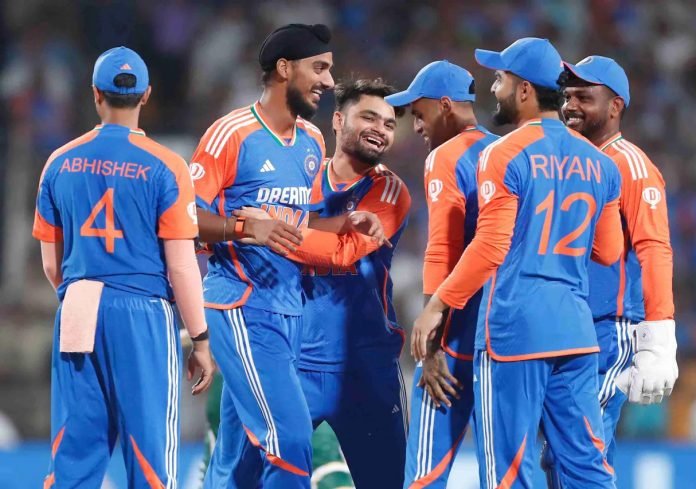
{"points": [[429, 122], [365, 128], [308, 78], [589, 108]]}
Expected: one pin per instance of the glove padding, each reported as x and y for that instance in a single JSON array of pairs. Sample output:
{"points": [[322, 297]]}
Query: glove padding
{"points": [[654, 370]]}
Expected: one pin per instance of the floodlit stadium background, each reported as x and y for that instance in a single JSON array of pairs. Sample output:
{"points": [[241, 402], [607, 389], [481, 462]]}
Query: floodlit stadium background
{"points": [[202, 61]]}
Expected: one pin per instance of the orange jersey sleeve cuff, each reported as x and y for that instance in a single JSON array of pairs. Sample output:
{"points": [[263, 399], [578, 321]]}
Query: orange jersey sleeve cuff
{"points": [[44, 231], [326, 249]]}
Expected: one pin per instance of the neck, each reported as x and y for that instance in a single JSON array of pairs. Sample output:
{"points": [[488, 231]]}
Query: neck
{"points": [[276, 113], [122, 117], [536, 114], [462, 120], [603, 134], [346, 167]]}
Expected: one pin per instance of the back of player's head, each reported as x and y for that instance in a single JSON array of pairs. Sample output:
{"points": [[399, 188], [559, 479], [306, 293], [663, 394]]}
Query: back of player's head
{"points": [[350, 92], [293, 42], [121, 74]]}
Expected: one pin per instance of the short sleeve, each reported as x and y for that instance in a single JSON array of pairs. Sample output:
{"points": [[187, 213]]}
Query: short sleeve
{"points": [[176, 207], [47, 223], [390, 200], [213, 166]]}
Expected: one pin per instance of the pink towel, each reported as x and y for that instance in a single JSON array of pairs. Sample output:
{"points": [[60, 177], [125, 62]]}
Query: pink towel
{"points": [[78, 318]]}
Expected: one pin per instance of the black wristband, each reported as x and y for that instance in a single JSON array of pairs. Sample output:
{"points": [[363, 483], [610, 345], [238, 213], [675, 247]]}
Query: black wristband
{"points": [[201, 337]]}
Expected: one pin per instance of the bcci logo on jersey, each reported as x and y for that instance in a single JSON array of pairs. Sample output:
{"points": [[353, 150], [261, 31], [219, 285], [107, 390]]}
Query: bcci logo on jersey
{"points": [[311, 165], [652, 196], [351, 204]]}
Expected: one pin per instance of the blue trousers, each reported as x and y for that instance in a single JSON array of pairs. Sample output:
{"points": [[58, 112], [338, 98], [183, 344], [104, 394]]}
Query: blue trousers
{"points": [[127, 387], [257, 353], [367, 411], [512, 399], [435, 434]]}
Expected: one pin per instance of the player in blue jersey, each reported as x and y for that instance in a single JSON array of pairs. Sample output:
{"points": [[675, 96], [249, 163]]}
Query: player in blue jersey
{"points": [[116, 217], [441, 98], [634, 295], [351, 342], [548, 201], [266, 156]]}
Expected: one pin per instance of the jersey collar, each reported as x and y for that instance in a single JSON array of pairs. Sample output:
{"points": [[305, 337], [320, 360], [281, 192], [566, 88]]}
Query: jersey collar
{"points": [[138, 131], [348, 185], [256, 110], [610, 141]]}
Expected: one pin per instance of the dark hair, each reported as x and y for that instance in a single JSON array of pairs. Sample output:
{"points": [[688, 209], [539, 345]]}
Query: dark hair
{"points": [[348, 93], [123, 100], [551, 99]]}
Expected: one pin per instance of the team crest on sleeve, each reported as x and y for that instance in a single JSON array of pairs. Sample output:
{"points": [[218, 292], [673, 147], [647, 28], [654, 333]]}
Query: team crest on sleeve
{"points": [[197, 171], [191, 209], [652, 196], [311, 164], [434, 189], [487, 191]]}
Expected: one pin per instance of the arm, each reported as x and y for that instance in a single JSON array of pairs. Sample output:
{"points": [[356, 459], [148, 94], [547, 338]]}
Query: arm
{"points": [[326, 248], [52, 259], [608, 243], [186, 283]]}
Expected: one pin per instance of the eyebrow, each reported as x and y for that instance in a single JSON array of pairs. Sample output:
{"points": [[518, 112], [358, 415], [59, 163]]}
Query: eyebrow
{"points": [[375, 114], [322, 64]]}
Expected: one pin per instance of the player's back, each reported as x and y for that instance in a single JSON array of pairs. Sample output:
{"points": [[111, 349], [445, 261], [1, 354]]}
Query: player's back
{"points": [[536, 303], [110, 191]]}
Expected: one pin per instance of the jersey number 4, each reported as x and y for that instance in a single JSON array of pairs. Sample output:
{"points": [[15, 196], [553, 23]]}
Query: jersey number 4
{"points": [[109, 231], [561, 247]]}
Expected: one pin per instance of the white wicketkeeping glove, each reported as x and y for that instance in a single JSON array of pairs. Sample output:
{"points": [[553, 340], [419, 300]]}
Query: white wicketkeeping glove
{"points": [[654, 370]]}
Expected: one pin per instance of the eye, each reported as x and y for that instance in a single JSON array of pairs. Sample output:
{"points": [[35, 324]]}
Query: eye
{"points": [[390, 125], [368, 118]]}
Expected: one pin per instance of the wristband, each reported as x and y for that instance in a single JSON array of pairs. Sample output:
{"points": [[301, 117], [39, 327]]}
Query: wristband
{"points": [[239, 227], [201, 337]]}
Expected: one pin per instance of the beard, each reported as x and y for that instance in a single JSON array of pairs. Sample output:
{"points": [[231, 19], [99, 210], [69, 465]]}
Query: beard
{"points": [[590, 128], [507, 112], [353, 145], [298, 104]]}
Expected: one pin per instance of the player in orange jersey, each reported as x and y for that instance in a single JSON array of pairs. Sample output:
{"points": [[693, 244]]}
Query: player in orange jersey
{"points": [[631, 300]]}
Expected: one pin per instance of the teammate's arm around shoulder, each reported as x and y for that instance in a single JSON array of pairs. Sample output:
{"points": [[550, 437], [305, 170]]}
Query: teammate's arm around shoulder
{"points": [[177, 228], [388, 199]]}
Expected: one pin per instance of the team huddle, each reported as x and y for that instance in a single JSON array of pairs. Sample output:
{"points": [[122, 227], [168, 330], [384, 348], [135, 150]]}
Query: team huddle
{"points": [[547, 276]]}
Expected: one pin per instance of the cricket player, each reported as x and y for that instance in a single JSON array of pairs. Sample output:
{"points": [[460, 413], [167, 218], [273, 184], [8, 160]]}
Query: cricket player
{"points": [[116, 218], [631, 301], [266, 156], [441, 97], [351, 342], [548, 200]]}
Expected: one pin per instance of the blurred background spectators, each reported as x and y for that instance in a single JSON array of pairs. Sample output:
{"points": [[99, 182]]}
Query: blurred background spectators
{"points": [[202, 61]]}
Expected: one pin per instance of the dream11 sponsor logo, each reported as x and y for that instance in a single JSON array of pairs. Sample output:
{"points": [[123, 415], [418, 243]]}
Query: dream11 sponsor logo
{"points": [[652, 196]]}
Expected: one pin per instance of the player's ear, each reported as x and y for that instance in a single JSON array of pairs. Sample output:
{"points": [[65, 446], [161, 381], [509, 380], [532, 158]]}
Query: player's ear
{"points": [[616, 107], [146, 95], [446, 105], [98, 96], [283, 68], [524, 90], [337, 121]]}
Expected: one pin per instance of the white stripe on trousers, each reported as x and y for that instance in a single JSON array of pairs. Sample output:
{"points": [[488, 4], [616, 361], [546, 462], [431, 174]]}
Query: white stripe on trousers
{"points": [[172, 439], [486, 395], [404, 401], [425, 436], [244, 350], [623, 341]]}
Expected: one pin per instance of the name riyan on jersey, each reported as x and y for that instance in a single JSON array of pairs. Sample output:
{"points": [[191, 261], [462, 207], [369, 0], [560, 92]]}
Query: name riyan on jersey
{"points": [[105, 168], [551, 168]]}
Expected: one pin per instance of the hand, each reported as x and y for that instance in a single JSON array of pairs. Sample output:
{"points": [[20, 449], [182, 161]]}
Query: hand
{"points": [[264, 231], [185, 339], [200, 358], [368, 223], [437, 379], [425, 327], [654, 370], [254, 213]]}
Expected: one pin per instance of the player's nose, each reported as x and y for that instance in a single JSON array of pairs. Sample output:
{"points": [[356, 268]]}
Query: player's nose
{"points": [[327, 80]]}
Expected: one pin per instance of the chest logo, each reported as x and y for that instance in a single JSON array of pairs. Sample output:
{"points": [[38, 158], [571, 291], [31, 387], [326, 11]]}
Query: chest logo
{"points": [[311, 165], [267, 166], [652, 196]]}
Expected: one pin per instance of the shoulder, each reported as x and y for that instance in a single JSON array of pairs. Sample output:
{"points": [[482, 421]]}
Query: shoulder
{"points": [[312, 131], [393, 189], [233, 127], [158, 151], [630, 159], [75, 143], [506, 148]]}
